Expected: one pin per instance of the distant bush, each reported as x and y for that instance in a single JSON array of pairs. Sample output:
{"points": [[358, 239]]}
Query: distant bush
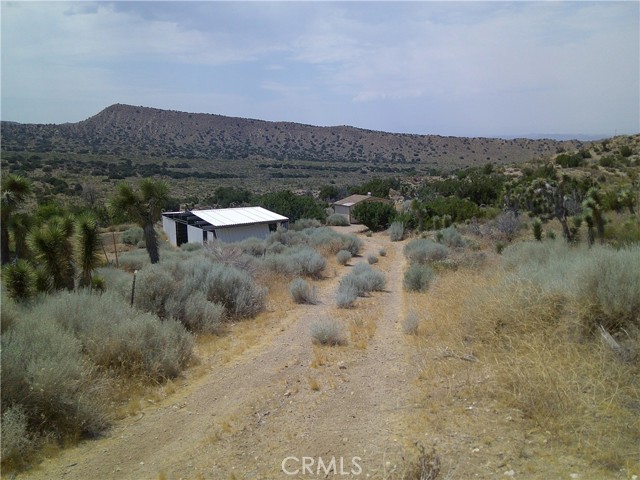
{"points": [[302, 292], [328, 332], [332, 242], [382, 252], [303, 261], [451, 237], [418, 277], [346, 296], [133, 235], [508, 225], [410, 323], [253, 246], [338, 220], [343, 257], [191, 247], [363, 279], [235, 290], [396, 231], [372, 259], [424, 251], [303, 223]]}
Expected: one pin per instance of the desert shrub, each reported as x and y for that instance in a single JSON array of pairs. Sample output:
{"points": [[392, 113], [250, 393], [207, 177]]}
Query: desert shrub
{"points": [[303, 223], [133, 236], [331, 241], [451, 237], [396, 231], [45, 375], [536, 226], [17, 441], [382, 252], [297, 262], [418, 277], [236, 290], [363, 279], [116, 280], [328, 332], [288, 238], [154, 286], [232, 255], [133, 260], [507, 224], [302, 292], [343, 257], [410, 323], [194, 311], [191, 247], [423, 251], [119, 337], [346, 296], [338, 220], [253, 246], [10, 313], [372, 259]]}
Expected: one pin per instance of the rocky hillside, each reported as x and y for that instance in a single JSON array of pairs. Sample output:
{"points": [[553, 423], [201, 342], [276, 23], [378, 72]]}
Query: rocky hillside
{"points": [[125, 130]]}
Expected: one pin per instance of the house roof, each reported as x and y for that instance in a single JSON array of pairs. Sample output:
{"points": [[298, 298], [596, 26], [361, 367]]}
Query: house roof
{"points": [[229, 217], [353, 199]]}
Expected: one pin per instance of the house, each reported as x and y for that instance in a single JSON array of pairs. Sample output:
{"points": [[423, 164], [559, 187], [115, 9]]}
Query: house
{"points": [[224, 224], [345, 206]]}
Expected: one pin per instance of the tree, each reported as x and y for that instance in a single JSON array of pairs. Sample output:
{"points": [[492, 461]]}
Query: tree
{"points": [[88, 243], [15, 190], [375, 215], [52, 248], [143, 207]]}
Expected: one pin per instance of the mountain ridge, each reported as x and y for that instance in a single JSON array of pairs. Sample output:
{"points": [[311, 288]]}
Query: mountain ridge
{"points": [[122, 129]]}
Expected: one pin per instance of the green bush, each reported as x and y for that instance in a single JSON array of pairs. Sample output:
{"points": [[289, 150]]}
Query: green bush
{"points": [[20, 280], [347, 295], [363, 279], [423, 251], [328, 332], [338, 220], [331, 241], [375, 215], [303, 223], [302, 292], [418, 277], [133, 236], [343, 257]]}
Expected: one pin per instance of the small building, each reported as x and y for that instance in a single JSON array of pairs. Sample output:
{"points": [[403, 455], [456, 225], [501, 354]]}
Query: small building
{"points": [[345, 206], [224, 224]]}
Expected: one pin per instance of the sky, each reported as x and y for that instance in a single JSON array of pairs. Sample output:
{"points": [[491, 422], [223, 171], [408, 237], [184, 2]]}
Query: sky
{"points": [[446, 68]]}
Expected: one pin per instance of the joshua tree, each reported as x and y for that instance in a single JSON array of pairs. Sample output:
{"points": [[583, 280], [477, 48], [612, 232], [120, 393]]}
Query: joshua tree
{"points": [[52, 248], [15, 190], [144, 208], [88, 248]]}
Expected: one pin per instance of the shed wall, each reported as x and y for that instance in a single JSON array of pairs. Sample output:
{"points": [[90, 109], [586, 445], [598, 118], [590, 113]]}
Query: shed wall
{"points": [[240, 232], [342, 210], [169, 227]]}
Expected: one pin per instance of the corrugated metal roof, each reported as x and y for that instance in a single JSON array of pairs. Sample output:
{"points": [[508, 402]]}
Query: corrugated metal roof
{"points": [[353, 199], [228, 217]]}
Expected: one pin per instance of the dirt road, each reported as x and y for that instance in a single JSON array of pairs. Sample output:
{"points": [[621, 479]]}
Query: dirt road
{"points": [[284, 408]]}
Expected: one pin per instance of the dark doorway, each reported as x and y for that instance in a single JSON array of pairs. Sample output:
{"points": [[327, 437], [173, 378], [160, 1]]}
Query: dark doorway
{"points": [[181, 233]]}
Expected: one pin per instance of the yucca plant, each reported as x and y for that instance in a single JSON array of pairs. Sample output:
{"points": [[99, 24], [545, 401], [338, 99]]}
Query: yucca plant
{"points": [[52, 248], [20, 280], [88, 243], [15, 190], [536, 225]]}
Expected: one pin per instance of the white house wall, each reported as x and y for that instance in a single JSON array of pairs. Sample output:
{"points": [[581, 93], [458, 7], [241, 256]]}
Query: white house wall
{"points": [[342, 210], [240, 232], [194, 234], [169, 227]]}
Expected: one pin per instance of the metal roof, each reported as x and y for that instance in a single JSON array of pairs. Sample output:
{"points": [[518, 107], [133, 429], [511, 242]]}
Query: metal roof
{"points": [[353, 199], [229, 217]]}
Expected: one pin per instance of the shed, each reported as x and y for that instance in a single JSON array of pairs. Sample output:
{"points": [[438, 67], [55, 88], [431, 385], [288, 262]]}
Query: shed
{"points": [[344, 206], [224, 224]]}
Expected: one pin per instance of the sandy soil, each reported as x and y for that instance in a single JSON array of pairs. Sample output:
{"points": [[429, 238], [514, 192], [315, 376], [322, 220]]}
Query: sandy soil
{"points": [[284, 403]]}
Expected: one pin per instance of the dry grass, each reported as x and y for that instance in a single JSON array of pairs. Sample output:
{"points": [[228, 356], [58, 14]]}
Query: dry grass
{"points": [[530, 361]]}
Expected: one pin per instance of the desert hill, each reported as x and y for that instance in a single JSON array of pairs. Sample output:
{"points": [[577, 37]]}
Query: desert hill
{"points": [[125, 130]]}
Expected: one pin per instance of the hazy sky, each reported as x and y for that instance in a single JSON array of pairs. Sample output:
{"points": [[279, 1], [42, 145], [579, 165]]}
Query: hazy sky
{"points": [[448, 68]]}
